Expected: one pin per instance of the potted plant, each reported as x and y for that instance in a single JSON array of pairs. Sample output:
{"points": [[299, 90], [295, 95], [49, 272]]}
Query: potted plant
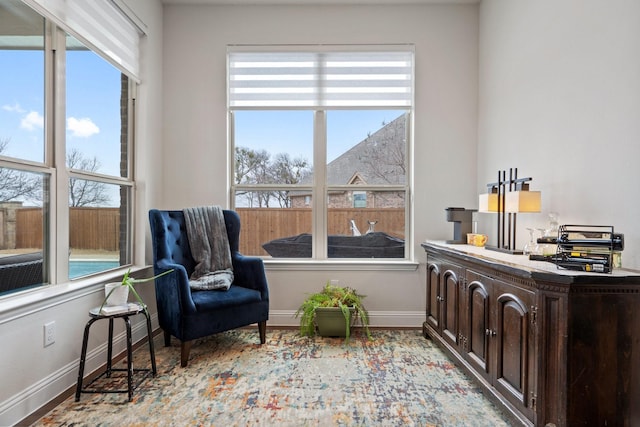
{"points": [[117, 293], [333, 303]]}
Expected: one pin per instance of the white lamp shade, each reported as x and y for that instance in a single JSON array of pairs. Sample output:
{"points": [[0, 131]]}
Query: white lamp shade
{"points": [[523, 201], [488, 202]]}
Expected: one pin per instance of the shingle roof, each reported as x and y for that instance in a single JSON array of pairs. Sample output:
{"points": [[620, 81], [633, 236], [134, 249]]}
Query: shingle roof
{"points": [[378, 159]]}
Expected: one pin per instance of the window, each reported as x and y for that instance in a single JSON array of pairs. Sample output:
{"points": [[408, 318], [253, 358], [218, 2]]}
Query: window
{"points": [[24, 176], [97, 140], [320, 141], [70, 151], [359, 199]]}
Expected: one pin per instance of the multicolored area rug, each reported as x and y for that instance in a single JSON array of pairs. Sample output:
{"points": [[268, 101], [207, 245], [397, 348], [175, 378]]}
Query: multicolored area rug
{"points": [[397, 379]]}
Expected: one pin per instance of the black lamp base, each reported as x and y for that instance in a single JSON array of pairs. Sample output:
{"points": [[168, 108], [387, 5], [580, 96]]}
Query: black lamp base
{"points": [[504, 250], [455, 242]]}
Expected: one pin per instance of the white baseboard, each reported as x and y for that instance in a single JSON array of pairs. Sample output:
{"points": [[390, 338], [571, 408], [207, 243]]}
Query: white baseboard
{"points": [[34, 397], [377, 319]]}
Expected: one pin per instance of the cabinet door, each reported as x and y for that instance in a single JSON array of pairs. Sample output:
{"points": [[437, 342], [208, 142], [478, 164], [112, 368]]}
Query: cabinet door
{"points": [[450, 304], [433, 294], [514, 345], [478, 323]]}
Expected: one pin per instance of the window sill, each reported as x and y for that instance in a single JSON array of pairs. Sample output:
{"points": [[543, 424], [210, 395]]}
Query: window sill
{"points": [[40, 298], [340, 265]]}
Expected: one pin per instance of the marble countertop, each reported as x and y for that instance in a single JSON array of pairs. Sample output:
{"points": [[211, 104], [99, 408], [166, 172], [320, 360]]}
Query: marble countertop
{"points": [[523, 261]]}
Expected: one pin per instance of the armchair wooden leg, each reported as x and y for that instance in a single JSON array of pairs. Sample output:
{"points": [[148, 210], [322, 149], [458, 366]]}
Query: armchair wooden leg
{"points": [[185, 348], [262, 329], [167, 338]]}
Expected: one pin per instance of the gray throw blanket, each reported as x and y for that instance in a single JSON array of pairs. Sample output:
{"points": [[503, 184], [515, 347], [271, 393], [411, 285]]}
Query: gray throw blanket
{"points": [[209, 244]]}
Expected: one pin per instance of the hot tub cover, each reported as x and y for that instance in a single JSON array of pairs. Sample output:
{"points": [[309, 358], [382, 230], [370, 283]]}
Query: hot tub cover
{"points": [[371, 245]]}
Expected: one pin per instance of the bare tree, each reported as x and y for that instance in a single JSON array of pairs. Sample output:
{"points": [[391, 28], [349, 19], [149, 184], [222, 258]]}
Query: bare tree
{"points": [[249, 164], [257, 167], [287, 171], [250, 168], [18, 185], [84, 192], [25, 186]]}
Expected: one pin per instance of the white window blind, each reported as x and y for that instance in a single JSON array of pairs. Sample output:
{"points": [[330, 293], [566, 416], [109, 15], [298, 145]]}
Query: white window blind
{"points": [[101, 25], [321, 79]]}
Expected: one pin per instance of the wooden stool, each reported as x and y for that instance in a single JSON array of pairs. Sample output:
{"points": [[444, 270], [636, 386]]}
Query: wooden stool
{"points": [[95, 315]]}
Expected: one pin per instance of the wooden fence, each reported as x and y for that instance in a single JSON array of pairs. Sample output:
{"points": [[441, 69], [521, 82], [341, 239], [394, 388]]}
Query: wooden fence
{"points": [[29, 226], [90, 228], [98, 228], [260, 225]]}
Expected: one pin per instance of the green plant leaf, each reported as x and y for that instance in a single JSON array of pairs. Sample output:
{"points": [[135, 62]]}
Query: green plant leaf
{"points": [[130, 282], [345, 298]]}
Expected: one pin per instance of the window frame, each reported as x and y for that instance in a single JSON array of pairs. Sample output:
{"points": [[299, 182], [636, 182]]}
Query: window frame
{"points": [[320, 189], [65, 174], [55, 202]]}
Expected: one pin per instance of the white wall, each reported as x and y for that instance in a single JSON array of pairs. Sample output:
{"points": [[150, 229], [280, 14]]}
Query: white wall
{"points": [[558, 85], [181, 160], [560, 100], [195, 129], [32, 374]]}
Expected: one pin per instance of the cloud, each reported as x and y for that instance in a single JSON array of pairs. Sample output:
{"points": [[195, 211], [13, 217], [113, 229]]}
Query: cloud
{"points": [[13, 108], [82, 128], [32, 121]]}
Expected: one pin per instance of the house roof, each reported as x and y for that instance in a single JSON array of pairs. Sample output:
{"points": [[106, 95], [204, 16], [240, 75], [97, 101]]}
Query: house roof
{"points": [[377, 160]]}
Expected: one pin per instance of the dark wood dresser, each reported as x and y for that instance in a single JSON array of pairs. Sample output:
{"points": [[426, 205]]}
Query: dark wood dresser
{"points": [[553, 347]]}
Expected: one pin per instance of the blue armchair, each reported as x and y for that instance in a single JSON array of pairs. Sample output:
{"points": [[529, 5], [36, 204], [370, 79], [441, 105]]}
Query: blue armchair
{"points": [[188, 315]]}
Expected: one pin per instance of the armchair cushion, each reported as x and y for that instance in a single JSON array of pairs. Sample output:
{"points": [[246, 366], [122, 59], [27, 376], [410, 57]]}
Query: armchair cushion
{"points": [[236, 295]]}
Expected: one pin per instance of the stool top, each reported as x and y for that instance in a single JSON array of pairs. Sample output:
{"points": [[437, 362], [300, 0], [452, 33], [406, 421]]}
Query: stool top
{"points": [[117, 310]]}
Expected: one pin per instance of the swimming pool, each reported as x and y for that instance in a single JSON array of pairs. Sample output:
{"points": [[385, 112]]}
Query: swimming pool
{"points": [[78, 268]]}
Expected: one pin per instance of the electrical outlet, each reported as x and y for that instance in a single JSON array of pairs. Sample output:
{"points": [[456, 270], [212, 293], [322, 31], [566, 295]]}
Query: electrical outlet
{"points": [[49, 333]]}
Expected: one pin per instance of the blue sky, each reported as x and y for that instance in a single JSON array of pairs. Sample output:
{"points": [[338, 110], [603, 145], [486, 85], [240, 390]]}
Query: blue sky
{"points": [[292, 131], [22, 103], [93, 106]]}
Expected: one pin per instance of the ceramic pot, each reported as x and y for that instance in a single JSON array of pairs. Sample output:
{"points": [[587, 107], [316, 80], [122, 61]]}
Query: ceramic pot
{"points": [[119, 296], [331, 322]]}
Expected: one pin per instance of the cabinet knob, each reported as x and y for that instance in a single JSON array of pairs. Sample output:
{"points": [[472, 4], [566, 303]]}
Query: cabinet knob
{"points": [[490, 333]]}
